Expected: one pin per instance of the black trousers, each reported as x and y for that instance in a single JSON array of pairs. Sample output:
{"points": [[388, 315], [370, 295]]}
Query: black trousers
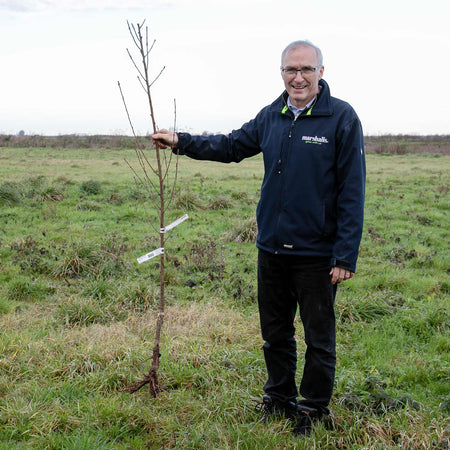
{"points": [[286, 282]]}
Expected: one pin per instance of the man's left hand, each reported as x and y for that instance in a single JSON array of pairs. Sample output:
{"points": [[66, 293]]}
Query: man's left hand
{"points": [[339, 274]]}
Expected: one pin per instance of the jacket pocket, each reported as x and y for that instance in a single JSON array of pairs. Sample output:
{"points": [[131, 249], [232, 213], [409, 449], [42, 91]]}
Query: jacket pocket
{"points": [[302, 222]]}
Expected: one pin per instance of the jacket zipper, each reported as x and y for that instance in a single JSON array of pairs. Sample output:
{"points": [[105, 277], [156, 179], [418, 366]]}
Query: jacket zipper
{"points": [[292, 127], [279, 173]]}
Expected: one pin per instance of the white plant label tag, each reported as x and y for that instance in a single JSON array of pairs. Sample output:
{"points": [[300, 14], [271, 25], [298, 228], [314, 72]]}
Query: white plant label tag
{"points": [[150, 255], [174, 224]]}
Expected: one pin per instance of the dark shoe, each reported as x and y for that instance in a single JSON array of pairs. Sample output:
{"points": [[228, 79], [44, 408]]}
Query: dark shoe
{"points": [[307, 417], [303, 424], [276, 409]]}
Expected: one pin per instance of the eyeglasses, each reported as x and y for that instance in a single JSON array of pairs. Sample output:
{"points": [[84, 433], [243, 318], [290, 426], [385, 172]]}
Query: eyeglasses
{"points": [[304, 71]]}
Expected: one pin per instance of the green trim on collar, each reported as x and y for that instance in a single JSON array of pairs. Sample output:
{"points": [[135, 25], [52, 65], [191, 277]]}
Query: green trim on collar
{"points": [[308, 113]]}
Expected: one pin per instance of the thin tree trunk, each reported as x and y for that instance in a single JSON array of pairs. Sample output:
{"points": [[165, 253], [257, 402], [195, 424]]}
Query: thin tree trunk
{"points": [[136, 33]]}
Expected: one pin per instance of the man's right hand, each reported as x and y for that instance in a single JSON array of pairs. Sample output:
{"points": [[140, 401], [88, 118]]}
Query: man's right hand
{"points": [[165, 138]]}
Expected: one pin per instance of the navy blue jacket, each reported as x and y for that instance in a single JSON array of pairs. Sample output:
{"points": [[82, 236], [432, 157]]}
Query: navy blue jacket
{"points": [[312, 194]]}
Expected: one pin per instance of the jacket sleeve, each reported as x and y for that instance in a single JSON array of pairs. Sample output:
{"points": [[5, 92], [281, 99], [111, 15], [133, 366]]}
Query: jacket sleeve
{"points": [[234, 147], [350, 183]]}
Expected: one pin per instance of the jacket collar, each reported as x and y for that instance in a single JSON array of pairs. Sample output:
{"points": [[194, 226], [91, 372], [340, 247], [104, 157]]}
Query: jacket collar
{"points": [[322, 107]]}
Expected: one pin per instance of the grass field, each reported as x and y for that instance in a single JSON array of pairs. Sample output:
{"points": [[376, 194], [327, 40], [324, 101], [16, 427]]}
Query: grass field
{"points": [[77, 313]]}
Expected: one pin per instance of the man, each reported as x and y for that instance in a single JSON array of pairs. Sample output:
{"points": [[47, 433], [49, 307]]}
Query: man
{"points": [[310, 218]]}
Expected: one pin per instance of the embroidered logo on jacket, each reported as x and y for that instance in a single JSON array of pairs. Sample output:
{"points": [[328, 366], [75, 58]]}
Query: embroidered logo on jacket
{"points": [[315, 140]]}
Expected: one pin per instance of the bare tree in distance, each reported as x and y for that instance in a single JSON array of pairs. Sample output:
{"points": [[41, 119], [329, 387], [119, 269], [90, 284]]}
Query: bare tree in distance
{"points": [[156, 178]]}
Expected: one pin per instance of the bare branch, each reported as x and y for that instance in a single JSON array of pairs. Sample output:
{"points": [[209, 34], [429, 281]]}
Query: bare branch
{"points": [[138, 145], [143, 162], [142, 84], [169, 203], [141, 182], [162, 70], [136, 140], [149, 49], [133, 33], [171, 152], [135, 65]]}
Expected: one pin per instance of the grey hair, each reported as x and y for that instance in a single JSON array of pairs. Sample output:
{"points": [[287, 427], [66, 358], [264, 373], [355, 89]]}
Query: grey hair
{"points": [[304, 43]]}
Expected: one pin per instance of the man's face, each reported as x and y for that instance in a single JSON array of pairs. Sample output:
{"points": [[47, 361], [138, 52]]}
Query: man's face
{"points": [[301, 87]]}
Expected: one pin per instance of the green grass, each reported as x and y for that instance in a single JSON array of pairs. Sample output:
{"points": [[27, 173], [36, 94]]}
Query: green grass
{"points": [[77, 313]]}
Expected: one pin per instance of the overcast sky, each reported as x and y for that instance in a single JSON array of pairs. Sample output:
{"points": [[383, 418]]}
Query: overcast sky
{"points": [[61, 61]]}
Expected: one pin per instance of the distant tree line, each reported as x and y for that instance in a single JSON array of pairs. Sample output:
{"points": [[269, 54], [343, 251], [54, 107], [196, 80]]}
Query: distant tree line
{"points": [[391, 144]]}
